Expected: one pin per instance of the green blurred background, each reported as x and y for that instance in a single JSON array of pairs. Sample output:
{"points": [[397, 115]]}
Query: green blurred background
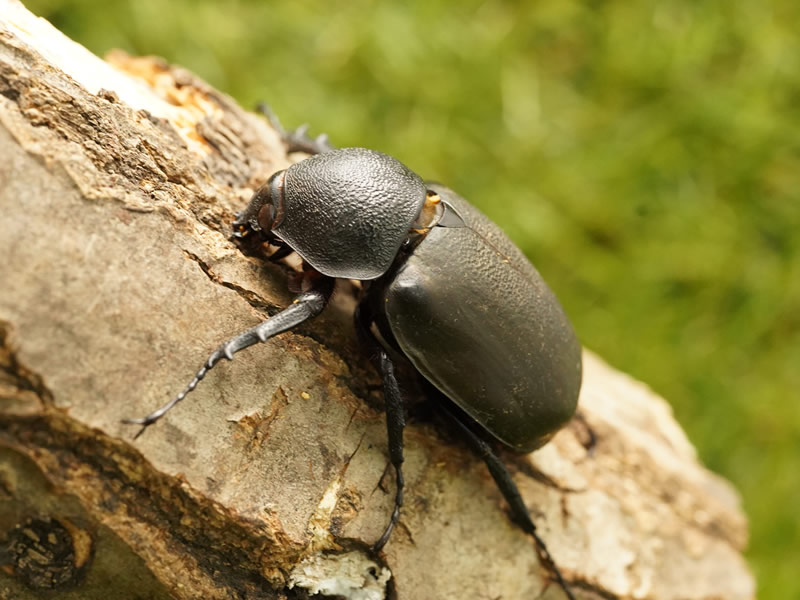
{"points": [[645, 155]]}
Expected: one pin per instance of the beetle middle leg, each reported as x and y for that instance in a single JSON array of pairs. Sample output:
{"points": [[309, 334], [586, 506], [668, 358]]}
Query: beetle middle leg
{"points": [[395, 418], [395, 423], [506, 485], [307, 305]]}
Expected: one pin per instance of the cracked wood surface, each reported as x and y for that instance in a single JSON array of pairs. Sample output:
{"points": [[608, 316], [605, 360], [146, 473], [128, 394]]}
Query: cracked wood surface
{"points": [[117, 184]]}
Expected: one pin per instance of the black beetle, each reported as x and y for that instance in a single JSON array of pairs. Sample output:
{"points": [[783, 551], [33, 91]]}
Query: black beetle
{"points": [[444, 288]]}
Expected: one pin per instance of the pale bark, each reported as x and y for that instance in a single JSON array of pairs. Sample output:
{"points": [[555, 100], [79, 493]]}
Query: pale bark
{"points": [[117, 186]]}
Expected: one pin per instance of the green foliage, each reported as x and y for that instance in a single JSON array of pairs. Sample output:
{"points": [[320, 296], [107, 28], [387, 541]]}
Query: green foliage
{"points": [[645, 155]]}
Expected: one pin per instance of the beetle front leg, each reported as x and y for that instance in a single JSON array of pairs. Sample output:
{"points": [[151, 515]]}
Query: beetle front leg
{"points": [[297, 140], [508, 488], [307, 305]]}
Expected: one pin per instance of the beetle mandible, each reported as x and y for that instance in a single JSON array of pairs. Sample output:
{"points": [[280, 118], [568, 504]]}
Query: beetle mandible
{"points": [[443, 287]]}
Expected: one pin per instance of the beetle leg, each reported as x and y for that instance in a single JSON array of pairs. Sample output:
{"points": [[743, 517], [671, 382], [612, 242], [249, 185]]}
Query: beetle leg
{"points": [[508, 488], [283, 251], [591, 437], [307, 305], [297, 140], [395, 419], [395, 423]]}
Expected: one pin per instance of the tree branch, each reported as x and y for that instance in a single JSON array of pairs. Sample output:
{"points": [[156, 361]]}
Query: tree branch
{"points": [[119, 181]]}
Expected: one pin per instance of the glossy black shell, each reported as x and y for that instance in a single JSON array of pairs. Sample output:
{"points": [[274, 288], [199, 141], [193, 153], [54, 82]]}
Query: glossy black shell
{"points": [[479, 322], [347, 212]]}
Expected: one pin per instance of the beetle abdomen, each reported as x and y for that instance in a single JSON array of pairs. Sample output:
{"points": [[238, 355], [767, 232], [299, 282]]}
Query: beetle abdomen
{"points": [[479, 322]]}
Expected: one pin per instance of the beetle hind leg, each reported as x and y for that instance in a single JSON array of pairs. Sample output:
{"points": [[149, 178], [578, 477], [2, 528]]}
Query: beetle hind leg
{"points": [[307, 305], [508, 488]]}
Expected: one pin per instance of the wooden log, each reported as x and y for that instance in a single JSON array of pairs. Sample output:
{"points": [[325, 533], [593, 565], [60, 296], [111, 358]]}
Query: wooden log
{"points": [[118, 181]]}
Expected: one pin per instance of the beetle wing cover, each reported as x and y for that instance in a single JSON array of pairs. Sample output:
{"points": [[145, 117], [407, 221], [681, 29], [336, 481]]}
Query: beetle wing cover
{"points": [[478, 321]]}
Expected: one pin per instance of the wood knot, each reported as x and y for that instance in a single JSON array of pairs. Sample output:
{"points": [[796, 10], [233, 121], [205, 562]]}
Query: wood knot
{"points": [[47, 553]]}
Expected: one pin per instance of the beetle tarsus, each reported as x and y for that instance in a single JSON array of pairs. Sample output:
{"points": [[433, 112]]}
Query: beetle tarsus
{"points": [[508, 488], [297, 140], [307, 305]]}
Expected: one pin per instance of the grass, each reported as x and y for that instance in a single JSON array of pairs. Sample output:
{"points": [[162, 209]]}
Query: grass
{"points": [[645, 155]]}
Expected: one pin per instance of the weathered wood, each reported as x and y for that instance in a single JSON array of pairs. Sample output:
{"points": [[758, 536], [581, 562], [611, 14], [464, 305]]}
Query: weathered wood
{"points": [[117, 184]]}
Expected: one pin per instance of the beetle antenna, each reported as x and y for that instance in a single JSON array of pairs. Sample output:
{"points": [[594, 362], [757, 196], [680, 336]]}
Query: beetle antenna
{"points": [[306, 305]]}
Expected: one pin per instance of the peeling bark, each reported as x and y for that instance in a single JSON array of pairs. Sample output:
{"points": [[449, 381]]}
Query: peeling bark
{"points": [[118, 181]]}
